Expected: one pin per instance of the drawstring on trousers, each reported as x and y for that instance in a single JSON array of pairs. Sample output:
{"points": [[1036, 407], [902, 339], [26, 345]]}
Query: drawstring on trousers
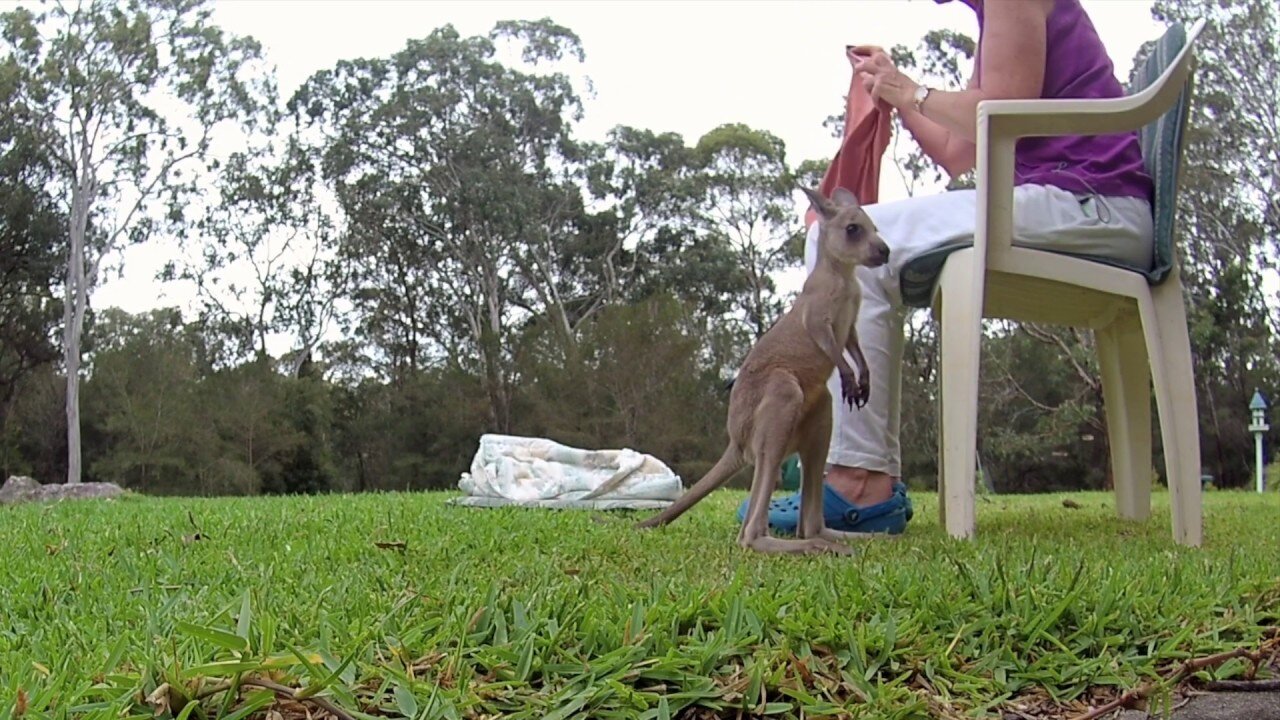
{"points": [[1098, 199]]}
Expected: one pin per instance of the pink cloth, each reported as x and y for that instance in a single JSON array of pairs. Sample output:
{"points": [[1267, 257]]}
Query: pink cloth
{"points": [[856, 166]]}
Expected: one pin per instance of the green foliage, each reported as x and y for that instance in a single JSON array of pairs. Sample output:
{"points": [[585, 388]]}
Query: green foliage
{"points": [[162, 421], [34, 432], [96, 83], [624, 390], [31, 236], [1271, 477], [532, 614], [308, 467], [466, 206], [1042, 422], [263, 262], [416, 432], [747, 203], [142, 393]]}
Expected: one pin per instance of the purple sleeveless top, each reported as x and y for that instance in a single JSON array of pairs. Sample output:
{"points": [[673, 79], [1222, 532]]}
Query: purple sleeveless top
{"points": [[1076, 66]]}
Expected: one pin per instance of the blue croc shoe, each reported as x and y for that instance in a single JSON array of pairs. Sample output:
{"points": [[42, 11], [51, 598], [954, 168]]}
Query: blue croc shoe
{"points": [[890, 516]]}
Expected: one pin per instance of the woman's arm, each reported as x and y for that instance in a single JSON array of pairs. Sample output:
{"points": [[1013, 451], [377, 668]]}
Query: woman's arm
{"points": [[955, 154], [1013, 55]]}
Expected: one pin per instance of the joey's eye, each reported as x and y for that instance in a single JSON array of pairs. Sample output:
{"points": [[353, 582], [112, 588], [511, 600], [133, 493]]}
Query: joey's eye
{"points": [[853, 230]]}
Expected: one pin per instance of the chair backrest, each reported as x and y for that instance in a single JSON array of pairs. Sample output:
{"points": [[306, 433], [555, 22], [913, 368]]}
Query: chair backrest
{"points": [[1162, 144]]}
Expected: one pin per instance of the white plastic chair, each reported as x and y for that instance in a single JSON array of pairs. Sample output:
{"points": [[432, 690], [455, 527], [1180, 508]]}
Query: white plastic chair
{"points": [[1137, 315]]}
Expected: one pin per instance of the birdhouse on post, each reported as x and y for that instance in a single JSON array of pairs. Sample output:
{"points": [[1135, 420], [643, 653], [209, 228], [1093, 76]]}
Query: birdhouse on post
{"points": [[1258, 408]]}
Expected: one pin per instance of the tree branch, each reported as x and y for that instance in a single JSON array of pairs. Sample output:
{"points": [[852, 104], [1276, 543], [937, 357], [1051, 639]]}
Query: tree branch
{"points": [[1186, 670]]}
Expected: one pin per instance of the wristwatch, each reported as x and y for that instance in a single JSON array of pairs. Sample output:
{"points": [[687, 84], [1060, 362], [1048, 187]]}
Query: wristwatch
{"points": [[922, 92]]}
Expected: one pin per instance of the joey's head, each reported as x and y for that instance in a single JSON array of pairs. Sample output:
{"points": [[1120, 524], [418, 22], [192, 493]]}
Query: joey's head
{"points": [[846, 235]]}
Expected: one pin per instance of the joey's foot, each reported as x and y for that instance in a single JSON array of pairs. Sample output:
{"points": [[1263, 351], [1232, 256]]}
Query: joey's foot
{"points": [[831, 540], [835, 537], [809, 546]]}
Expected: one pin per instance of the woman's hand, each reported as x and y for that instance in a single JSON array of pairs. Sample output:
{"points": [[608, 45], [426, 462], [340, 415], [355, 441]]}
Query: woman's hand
{"points": [[882, 78]]}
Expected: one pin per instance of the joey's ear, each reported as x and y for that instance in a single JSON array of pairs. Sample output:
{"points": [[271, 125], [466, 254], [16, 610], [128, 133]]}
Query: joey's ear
{"points": [[844, 198], [820, 204]]}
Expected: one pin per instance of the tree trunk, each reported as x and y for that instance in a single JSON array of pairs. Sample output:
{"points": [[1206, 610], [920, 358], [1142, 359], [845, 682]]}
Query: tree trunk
{"points": [[5, 458], [499, 402], [491, 350], [75, 302], [71, 361]]}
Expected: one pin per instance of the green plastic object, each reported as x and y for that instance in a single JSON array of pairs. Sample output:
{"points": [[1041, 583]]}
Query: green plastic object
{"points": [[791, 473]]}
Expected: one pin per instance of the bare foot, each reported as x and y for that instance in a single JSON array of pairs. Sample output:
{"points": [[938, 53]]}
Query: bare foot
{"points": [[860, 487]]}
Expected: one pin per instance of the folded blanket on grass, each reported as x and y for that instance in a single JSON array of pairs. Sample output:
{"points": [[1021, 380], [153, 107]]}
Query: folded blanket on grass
{"points": [[537, 472]]}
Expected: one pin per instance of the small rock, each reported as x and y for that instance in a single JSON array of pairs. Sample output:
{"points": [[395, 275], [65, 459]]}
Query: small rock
{"points": [[20, 489]]}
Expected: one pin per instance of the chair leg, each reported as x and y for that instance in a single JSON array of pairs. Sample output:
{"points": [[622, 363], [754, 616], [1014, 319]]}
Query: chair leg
{"points": [[1169, 345], [1126, 392], [941, 426], [958, 374], [942, 466]]}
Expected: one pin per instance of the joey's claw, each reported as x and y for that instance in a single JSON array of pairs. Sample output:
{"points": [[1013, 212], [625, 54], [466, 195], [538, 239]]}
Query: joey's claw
{"points": [[864, 392], [848, 392]]}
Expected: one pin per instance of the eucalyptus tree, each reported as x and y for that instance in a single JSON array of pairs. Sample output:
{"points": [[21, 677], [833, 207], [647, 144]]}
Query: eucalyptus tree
{"points": [[462, 190], [127, 96]]}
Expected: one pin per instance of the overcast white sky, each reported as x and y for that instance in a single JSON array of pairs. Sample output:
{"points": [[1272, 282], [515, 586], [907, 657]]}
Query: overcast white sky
{"points": [[684, 66]]}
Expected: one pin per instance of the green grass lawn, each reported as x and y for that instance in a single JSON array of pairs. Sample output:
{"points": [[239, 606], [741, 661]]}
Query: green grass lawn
{"points": [[554, 614]]}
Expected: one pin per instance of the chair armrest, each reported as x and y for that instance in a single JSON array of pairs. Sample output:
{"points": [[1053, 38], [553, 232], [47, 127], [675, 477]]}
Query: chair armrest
{"points": [[1044, 118], [1027, 118]]}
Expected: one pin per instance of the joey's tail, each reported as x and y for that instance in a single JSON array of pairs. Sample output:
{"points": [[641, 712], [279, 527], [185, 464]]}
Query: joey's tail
{"points": [[728, 464]]}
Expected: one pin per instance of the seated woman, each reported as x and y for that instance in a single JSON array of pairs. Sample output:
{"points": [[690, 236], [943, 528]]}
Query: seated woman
{"points": [[1082, 194]]}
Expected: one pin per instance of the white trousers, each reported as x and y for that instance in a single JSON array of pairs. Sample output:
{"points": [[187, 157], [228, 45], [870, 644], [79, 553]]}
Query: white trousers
{"points": [[1044, 216]]}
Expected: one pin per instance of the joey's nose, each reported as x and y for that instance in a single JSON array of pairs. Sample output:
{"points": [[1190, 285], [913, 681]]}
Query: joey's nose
{"points": [[880, 256]]}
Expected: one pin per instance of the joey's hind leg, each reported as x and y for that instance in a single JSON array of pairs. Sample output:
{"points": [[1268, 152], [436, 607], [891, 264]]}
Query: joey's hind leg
{"points": [[815, 438], [775, 419]]}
